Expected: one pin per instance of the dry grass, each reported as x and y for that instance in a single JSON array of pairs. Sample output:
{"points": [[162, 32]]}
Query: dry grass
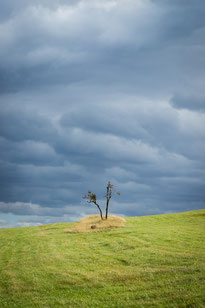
{"points": [[85, 224]]}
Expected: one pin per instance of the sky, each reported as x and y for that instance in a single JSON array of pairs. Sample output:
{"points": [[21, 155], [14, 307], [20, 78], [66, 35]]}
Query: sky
{"points": [[93, 91]]}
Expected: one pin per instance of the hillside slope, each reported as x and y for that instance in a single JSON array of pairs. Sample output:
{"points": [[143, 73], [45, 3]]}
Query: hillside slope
{"points": [[151, 261]]}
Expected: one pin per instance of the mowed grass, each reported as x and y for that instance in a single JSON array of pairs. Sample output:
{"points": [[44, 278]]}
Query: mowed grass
{"points": [[151, 261]]}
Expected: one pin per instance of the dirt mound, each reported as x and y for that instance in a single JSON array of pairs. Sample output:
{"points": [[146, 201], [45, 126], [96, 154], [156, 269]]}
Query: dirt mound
{"points": [[94, 223]]}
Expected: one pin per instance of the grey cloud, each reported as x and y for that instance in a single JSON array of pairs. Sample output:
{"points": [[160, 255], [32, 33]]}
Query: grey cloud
{"points": [[131, 163], [29, 152], [189, 102], [17, 124], [31, 214], [3, 223], [53, 45], [128, 162], [49, 185], [154, 123], [93, 91], [18, 208], [135, 46], [188, 17]]}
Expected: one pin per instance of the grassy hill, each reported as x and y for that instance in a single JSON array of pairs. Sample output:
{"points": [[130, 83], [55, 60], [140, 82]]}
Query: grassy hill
{"points": [[151, 261]]}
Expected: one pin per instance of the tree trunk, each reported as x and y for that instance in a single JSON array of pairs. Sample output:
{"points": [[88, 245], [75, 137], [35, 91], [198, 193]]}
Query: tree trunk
{"points": [[107, 205], [99, 210]]}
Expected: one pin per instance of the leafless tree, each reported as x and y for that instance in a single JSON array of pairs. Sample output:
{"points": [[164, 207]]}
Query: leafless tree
{"points": [[110, 190], [93, 199]]}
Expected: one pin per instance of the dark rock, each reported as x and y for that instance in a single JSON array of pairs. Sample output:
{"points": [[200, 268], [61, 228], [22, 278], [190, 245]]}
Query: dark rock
{"points": [[93, 227]]}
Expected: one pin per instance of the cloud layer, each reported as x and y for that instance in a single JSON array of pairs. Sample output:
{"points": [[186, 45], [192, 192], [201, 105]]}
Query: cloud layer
{"points": [[93, 91]]}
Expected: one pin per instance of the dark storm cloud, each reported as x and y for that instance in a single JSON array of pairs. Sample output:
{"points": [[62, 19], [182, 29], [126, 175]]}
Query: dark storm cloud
{"points": [[188, 17], [93, 91], [19, 208], [17, 124], [97, 41], [190, 102]]}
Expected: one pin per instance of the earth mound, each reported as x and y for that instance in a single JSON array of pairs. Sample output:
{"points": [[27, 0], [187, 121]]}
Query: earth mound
{"points": [[94, 223]]}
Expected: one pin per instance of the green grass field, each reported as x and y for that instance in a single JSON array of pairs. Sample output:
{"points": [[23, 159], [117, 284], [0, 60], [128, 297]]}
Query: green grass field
{"points": [[153, 261]]}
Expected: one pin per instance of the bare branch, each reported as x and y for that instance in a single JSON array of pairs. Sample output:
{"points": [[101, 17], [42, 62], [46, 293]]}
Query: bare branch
{"points": [[93, 199]]}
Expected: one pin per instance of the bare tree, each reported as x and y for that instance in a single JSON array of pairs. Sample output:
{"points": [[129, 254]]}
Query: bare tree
{"points": [[93, 199], [110, 190]]}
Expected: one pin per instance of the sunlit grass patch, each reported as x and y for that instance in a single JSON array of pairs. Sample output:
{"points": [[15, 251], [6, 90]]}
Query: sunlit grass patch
{"points": [[94, 223], [151, 261]]}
